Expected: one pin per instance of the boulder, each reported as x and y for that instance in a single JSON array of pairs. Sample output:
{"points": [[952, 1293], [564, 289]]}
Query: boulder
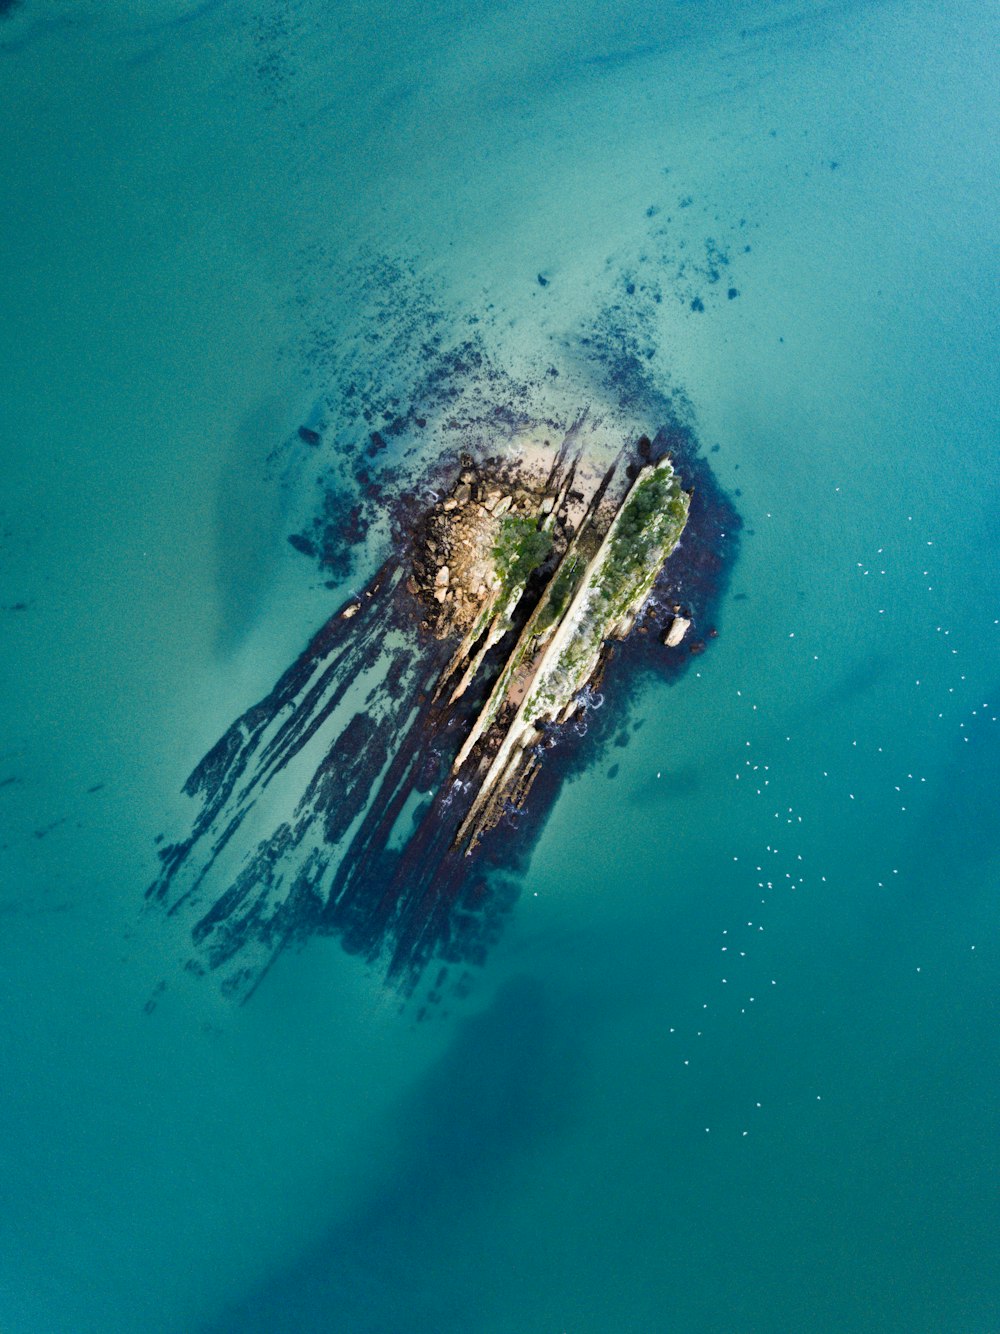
{"points": [[442, 577], [676, 631]]}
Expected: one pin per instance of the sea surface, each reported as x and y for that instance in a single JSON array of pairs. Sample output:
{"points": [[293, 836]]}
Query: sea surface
{"points": [[733, 1066]]}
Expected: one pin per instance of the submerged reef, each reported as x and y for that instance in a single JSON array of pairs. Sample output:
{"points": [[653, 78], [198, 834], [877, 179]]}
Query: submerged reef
{"points": [[390, 787], [376, 793]]}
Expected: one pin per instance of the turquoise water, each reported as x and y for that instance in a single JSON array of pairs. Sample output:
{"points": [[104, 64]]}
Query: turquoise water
{"points": [[733, 1065]]}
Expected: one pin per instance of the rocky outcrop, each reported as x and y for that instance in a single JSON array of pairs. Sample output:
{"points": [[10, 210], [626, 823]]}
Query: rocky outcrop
{"points": [[676, 631], [537, 571]]}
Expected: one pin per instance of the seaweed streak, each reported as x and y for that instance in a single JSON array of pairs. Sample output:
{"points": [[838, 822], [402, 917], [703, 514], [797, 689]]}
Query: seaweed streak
{"points": [[413, 727]]}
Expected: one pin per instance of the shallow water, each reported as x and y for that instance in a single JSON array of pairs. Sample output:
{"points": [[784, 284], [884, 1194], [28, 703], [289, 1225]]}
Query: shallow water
{"points": [[785, 895]]}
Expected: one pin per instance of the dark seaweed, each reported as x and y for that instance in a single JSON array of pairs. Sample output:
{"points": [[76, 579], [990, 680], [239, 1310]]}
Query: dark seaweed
{"points": [[248, 887]]}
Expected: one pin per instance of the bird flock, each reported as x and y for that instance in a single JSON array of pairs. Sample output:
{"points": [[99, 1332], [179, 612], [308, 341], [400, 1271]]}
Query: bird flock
{"points": [[838, 781]]}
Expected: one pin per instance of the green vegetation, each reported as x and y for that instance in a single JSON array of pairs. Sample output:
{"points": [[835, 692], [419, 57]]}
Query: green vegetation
{"points": [[651, 522], [647, 529], [520, 548], [561, 591]]}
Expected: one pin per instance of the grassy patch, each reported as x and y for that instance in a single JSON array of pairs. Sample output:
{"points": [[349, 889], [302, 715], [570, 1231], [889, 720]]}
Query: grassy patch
{"points": [[562, 589], [655, 507], [520, 548]]}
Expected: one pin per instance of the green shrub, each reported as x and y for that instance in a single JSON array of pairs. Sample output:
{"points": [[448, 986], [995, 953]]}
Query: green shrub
{"points": [[520, 548], [563, 587]]}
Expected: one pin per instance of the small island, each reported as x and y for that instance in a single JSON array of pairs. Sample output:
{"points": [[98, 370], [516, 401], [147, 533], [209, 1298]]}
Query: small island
{"points": [[538, 572]]}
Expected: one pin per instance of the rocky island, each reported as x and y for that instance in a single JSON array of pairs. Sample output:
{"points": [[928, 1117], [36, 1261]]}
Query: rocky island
{"points": [[539, 575]]}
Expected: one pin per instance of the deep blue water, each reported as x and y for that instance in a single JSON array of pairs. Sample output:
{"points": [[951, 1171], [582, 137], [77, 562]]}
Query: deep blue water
{"points": [[733, 1066]]}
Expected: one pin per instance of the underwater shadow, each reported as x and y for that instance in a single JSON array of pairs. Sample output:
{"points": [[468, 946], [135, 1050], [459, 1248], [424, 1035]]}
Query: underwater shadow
{"points": [[502, 1092]]}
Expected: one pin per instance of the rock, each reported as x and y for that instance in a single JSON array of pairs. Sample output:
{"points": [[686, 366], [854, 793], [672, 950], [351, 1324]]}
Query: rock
{"points": [[302, 544], [678, 628], [547, 504], [310, 436], [350, 611], [440, 594], [468, 477], [450, 504], [502, 506], [442, 577], [463, 494]]}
